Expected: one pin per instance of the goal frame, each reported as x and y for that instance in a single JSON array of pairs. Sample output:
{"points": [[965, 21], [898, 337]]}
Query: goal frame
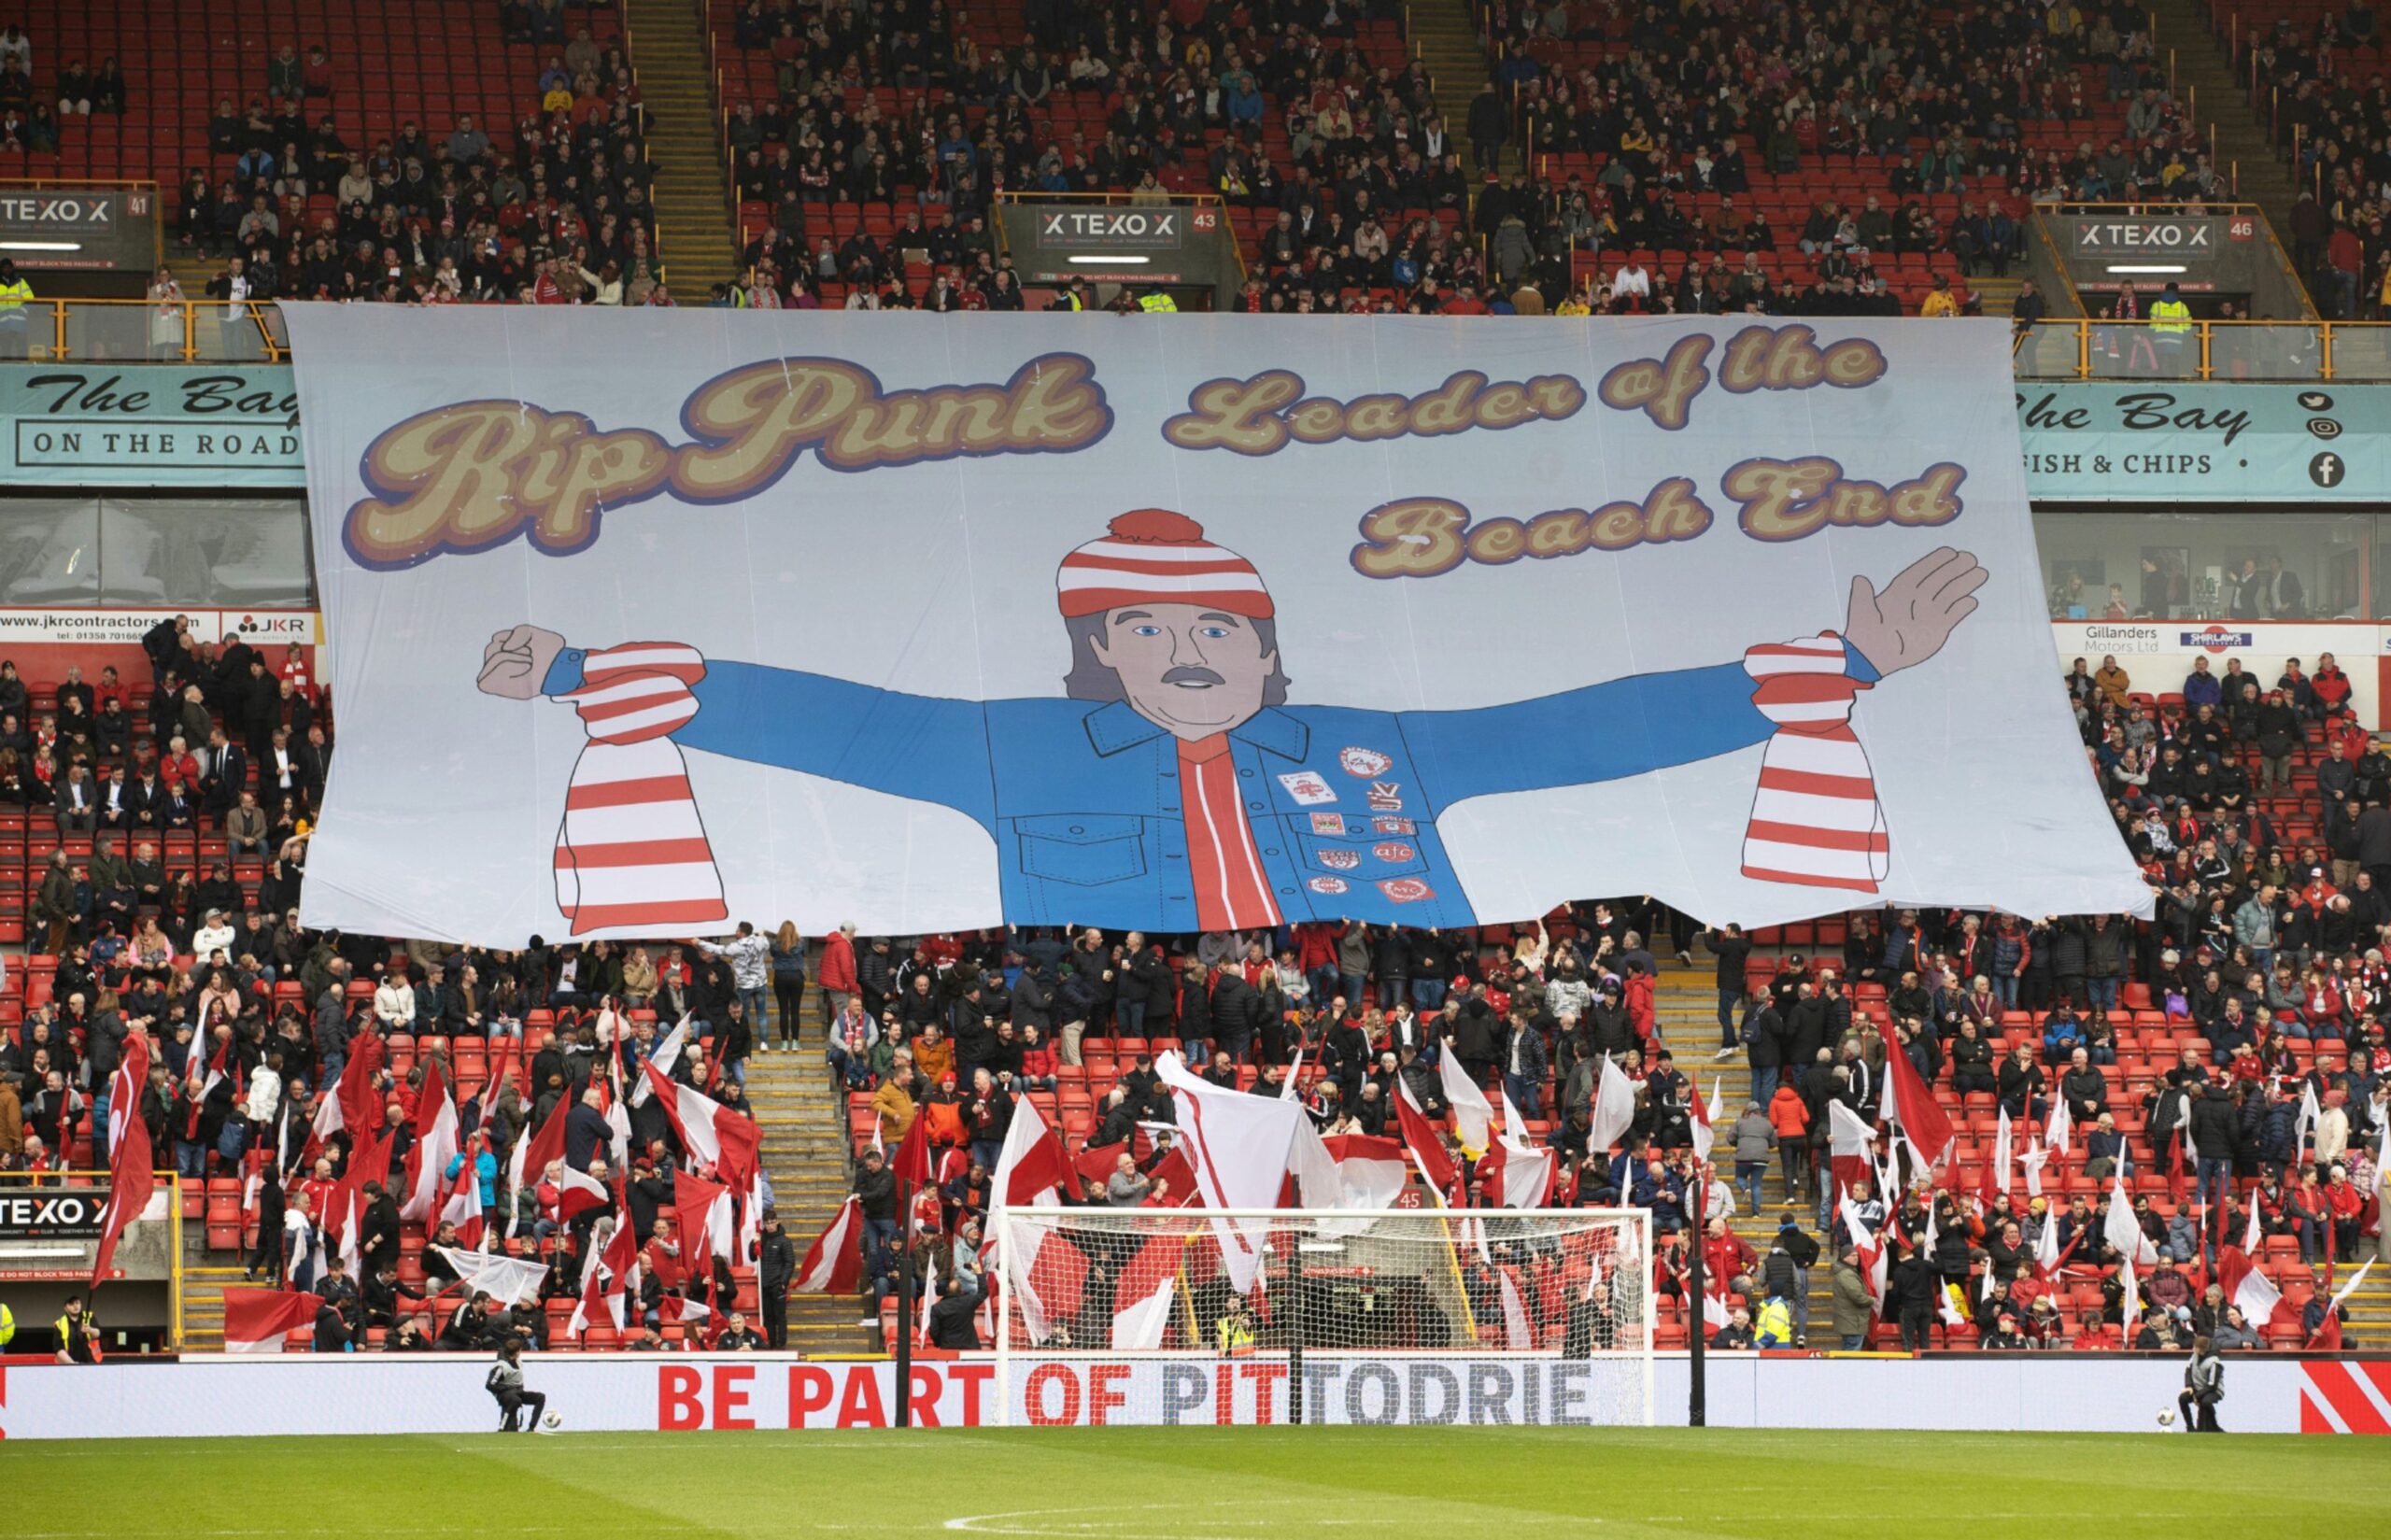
{"points": [[1637, 1220]]}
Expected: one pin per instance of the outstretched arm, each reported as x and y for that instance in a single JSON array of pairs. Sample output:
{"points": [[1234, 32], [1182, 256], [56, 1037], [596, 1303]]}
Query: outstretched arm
{"points": [[1648, 722], [920, 747]]}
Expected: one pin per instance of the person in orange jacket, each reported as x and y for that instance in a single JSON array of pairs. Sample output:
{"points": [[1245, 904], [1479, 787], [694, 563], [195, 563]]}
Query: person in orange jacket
{"points": [[1791, 1115]]}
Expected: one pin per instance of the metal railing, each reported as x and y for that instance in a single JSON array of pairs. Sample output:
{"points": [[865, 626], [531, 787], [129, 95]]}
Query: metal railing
{"points": [[2256, 351], [252, 331], [145, 331]]}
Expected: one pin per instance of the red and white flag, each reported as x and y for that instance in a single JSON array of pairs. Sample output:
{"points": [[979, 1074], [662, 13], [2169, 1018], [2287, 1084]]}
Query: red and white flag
{"points": [[1850, 1147], [434, 1146], [710, 1132], [702, 1212], [528, 1164], [2247, 1287], [1521, 1174], [834, 1264], [1143, 1299], [1872, 1261], [1419, 1138], [259, 1320], [1706, 1120], [132, 1176], [1519, 1331], [1033, 1166], [463, 1208], [609, 1278], [667, 1055], [2328, 1331], [1910, 1104], [1371, 1170]]}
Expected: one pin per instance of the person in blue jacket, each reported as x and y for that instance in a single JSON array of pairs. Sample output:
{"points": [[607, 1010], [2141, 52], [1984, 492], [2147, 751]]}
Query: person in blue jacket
{"points": [[1172, 788]]}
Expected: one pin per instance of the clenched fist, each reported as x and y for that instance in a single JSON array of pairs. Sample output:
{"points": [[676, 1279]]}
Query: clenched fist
{"points": [[517, 661]]}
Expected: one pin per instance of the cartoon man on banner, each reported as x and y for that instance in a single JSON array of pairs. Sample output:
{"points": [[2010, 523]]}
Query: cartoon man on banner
{"points": [[1171, 787]]}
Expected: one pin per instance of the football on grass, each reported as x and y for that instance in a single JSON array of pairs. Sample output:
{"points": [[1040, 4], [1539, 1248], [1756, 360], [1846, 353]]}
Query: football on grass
{"points": [[553, 1421]]}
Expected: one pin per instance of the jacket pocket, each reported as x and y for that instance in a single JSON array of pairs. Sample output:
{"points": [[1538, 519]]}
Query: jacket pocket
{"points": [[1084, 849]]}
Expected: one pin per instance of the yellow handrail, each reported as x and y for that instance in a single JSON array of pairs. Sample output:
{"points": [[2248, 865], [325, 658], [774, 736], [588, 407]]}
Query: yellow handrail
{"points": [[2104, 349], [240, 332]]}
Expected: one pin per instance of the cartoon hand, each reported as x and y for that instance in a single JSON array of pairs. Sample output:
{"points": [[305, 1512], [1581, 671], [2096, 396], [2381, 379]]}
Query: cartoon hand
{"points": [[517, 661], [1908, 622]]}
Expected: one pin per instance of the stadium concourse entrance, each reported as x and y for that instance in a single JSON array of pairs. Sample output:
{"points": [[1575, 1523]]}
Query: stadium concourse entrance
{"points": [[1253, 1317]]}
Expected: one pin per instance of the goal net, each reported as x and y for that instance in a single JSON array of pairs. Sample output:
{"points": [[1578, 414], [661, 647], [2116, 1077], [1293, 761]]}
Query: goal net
{"points": [[1179, 1316]]}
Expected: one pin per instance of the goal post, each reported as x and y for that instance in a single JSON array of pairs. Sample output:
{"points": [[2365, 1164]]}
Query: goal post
{"points": [[1160, 1317]]}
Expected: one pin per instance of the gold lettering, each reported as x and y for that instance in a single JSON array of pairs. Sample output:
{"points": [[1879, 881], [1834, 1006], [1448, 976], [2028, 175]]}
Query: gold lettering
{"points": [[1446, 409], [1498, 540], [1559, 532], [1776, 494], [1240, 415], [1505, 406], [1662, 389], [1417, 537]]}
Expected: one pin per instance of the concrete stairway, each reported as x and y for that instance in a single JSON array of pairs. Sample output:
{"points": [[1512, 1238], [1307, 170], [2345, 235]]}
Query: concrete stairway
{"points": [[2205, 78], [205, 1277], [805, 1156], [1445, 37], [693, 206]]}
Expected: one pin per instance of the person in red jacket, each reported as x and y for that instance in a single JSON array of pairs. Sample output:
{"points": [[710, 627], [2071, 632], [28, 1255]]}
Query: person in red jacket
{"points": [[1636, 991], [838, 971], [2331, 686], [2098, 1336]]}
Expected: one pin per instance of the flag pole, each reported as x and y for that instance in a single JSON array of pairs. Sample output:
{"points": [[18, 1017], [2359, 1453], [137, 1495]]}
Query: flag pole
{"points": [[1697, 1333], [905, 1311]]}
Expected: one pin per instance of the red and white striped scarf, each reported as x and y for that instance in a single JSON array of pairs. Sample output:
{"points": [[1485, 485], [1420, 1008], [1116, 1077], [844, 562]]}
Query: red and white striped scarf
{"points": [[633, 850], [1815, 820]]}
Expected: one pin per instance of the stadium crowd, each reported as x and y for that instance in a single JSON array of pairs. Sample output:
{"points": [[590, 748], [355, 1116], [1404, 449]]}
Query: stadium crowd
{"points": [[2304, 77], [2244, 1022], [1612, 168], [555, 207]]}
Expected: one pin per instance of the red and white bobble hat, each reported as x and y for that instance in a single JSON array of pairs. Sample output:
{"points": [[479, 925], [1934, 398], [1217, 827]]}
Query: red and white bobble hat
{"points": [[1153, 556]]}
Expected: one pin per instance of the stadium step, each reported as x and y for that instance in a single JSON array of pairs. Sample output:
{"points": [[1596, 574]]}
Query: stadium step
{"points": [[804, 1123], [203, 1304], [1446, 37], [693, 206], [2235, 127]]}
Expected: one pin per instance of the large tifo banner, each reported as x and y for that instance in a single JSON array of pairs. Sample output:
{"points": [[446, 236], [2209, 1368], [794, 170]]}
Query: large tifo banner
{"points": [[649, 620], [678, 1393]]}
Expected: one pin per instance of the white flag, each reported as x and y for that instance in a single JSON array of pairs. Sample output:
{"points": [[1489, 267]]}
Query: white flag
{"points": [[1614, 1108], [2062, 1127], [1473, 1115]]}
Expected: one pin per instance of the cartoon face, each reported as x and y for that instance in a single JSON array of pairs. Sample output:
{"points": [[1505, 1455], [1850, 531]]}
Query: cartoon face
{"points": [[1193, 671]]}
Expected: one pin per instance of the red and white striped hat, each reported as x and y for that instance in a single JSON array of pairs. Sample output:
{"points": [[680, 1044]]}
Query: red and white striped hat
{"points": [[1153, 556]]}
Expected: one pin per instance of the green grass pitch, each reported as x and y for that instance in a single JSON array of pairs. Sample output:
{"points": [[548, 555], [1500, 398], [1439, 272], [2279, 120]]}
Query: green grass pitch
{"points": [[1201, 1484]]}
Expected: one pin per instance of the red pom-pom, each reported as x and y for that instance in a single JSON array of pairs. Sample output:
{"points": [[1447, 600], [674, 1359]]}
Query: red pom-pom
{"points": [[1156, 526]]}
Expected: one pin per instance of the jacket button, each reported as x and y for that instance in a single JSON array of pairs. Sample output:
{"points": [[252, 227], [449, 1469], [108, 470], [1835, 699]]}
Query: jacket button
{"points": [[1288, 891], [1253, 807], [1271, 850]]}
